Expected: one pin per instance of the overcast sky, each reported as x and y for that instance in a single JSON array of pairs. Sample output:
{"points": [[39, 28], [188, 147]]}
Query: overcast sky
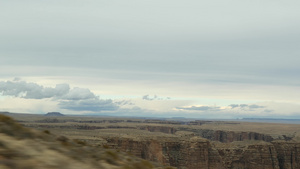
{"points": [[204, 59]]}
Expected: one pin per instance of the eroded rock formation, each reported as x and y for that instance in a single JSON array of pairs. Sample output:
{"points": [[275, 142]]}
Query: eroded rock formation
{"points": [[230, 136], [182, 153], [199, 153], [209, 145]]}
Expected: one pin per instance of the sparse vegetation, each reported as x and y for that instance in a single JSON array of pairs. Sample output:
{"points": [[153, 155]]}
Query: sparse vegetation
{"points": [[9, 126], [80, 142], [106, 146], [112, 154], [85, 132], [47, 152], [47, 131]]}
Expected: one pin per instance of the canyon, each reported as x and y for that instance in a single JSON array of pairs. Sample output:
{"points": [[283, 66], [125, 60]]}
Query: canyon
{"points": [[24, 148], [196, 152], [185, 145]]}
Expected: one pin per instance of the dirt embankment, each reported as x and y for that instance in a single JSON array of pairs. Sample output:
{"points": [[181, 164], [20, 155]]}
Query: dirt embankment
{"points": [[23, 148]]}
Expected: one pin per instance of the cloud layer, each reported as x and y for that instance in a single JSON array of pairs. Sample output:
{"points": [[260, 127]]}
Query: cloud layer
{"points": [[231, 110], [250, 107], [199, 108], [76, 99]]}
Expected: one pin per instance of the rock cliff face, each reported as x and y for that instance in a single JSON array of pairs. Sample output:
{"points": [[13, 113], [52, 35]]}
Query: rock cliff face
{"points": [[191, 154], [260, 156], [230, 136], [288, 154], [162, 129], [206, 145], [217, 135], [198, 153]]}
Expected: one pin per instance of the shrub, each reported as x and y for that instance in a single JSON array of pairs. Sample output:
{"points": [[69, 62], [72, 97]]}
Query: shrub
{"points": [[112, 154], [47, 131], [80, 142], [105, 146]]}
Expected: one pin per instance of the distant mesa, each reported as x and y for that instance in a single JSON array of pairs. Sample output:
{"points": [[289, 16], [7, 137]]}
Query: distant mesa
{"points": [[4, 112], [54, 114]]}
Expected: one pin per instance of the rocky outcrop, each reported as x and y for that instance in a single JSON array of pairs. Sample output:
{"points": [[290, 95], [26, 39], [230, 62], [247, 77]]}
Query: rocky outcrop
{"points": [[198, 153], [288, 154], [274, 155], [257, 156], [230, 136], [182, 153], [162, 129], [214, 135]]}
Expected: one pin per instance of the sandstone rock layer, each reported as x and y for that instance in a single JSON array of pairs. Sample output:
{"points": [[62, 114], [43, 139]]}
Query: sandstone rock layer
{"points": [[199, 153]]}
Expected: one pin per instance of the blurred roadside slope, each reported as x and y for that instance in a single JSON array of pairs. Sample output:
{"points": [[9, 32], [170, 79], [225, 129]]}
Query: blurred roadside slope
{"points": [[25, 148]]}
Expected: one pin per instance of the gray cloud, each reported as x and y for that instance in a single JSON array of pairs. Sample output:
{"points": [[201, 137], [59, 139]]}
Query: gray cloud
{"points": [[269, 111], [147, 97], [76, 99], [206, 38], [155, 97], [246, 106], [234, 106], [206, 43], [254, 106], [32, 90], [200, 108], [95, 105], [124, 102], [243, 105]]}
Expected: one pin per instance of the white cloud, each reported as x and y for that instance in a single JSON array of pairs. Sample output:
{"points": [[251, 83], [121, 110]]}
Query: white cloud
{"points": [[76, 99], [32, 90], [199, 108], [79, 94]]}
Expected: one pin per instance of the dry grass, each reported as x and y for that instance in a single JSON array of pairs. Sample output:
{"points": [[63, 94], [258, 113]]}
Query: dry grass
{"points": [[45, 150], [81, 133], [94, 129], [71, 122]]}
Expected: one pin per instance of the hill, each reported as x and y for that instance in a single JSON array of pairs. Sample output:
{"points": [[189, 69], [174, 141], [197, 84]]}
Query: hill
{"points": [[51, 114]]}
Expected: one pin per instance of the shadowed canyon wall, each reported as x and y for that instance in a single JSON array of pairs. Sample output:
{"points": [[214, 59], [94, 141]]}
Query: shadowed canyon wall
{"points": [[192, 153], [198, 153]]}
